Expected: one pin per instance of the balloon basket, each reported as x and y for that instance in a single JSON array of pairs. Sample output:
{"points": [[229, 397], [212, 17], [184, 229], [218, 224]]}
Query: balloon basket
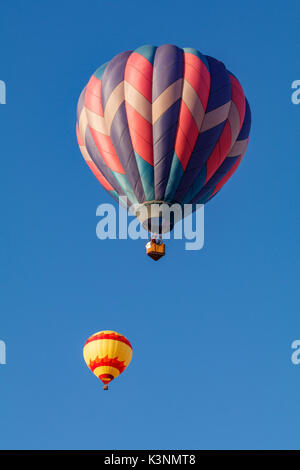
{"points": [[155, 249]]}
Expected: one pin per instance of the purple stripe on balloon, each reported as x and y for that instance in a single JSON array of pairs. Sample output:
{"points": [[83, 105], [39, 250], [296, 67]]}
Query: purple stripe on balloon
{"points": [[167, 68], [164, 133], [220, 88], [245, 130], [204, 146], [227, 164], [121, 140], [113, 75], [214, 180], [99, 162]]}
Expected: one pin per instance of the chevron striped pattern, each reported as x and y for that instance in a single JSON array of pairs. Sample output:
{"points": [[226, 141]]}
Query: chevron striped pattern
{"points": [[163, 123]]}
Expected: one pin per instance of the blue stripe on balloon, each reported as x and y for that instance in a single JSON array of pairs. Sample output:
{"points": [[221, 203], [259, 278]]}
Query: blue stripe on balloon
{"points": [[100, 71], [148, 52], [195, 188], [147, 177], [175, 176], [210, 186]]}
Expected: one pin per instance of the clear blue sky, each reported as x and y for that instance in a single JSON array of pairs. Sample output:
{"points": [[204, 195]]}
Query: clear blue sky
{"points": [[211, 330]]}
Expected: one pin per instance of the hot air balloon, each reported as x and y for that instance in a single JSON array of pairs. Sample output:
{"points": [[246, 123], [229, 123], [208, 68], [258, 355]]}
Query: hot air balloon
{"points": [[162, 125], [107, 354]]}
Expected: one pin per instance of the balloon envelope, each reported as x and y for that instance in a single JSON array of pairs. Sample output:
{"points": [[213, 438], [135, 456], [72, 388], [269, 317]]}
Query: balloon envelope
{"points": [[107, 354], [163, 124]]}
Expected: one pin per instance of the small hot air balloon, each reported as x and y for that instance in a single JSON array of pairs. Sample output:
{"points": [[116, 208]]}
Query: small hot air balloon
{"points": [[107, 354], [162, 125]]}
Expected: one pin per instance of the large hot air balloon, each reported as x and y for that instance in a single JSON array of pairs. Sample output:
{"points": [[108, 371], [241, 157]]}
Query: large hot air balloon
{"points": [[163, 125], [107, 354]]}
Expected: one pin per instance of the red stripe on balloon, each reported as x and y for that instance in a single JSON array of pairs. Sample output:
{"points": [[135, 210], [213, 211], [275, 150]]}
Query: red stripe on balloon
{"points": [[219, 153], [138, 73], [106, 378], [238, 98], [187, 133], [107, 151], [92, 98], [103, 142], [113, 336], [198, 76], [140, 133]]}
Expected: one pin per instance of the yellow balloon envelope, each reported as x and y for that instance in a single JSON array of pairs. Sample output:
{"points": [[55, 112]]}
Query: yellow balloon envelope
{"points": [[107, 354]]}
